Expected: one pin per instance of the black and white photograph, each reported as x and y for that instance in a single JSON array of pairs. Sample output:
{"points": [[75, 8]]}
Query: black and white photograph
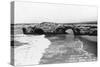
{"points": [[48, 33]]}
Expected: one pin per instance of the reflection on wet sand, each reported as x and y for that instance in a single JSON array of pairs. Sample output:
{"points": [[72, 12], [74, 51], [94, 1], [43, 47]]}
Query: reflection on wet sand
{"points": [[69, 48]]}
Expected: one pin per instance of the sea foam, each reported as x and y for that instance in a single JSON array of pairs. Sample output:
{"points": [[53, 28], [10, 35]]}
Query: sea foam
{"points": [[32, 51]]}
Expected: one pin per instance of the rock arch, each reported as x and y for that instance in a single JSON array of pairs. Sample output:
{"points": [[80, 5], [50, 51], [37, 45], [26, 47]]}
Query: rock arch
{"points": [[39, 31], [60, 31]]}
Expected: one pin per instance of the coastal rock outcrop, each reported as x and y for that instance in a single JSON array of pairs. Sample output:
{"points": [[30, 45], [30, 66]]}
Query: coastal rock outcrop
{"points": [[60, 28]]}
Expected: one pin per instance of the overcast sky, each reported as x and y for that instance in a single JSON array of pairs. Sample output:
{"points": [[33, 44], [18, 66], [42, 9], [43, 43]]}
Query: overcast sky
{"points": [[27, 12]]}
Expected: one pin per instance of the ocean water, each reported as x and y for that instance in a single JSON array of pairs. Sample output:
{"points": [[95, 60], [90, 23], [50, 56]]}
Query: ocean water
{"points": [[50, 49]]}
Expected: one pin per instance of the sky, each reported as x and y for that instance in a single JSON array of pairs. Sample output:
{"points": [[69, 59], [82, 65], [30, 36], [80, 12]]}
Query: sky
{"points": [[28, 12]]}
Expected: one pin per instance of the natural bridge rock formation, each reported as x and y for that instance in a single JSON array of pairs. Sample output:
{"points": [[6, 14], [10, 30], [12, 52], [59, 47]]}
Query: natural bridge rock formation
{"points": [[61, 28]]}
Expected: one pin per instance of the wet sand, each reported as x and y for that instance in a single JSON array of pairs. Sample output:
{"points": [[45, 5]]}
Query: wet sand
{"points": [[70, 48]]}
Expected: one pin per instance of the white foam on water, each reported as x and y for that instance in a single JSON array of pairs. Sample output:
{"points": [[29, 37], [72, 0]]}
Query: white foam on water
{"points": [[32, 52]]}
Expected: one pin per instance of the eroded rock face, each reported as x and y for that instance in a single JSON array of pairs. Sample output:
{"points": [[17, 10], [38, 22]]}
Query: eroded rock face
{"points": [[58, 28], [45, 28], [85, 30], [28, 30]]}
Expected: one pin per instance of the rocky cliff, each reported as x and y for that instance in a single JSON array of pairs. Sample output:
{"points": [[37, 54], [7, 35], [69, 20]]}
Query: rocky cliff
{"points": [[61, 28]]}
